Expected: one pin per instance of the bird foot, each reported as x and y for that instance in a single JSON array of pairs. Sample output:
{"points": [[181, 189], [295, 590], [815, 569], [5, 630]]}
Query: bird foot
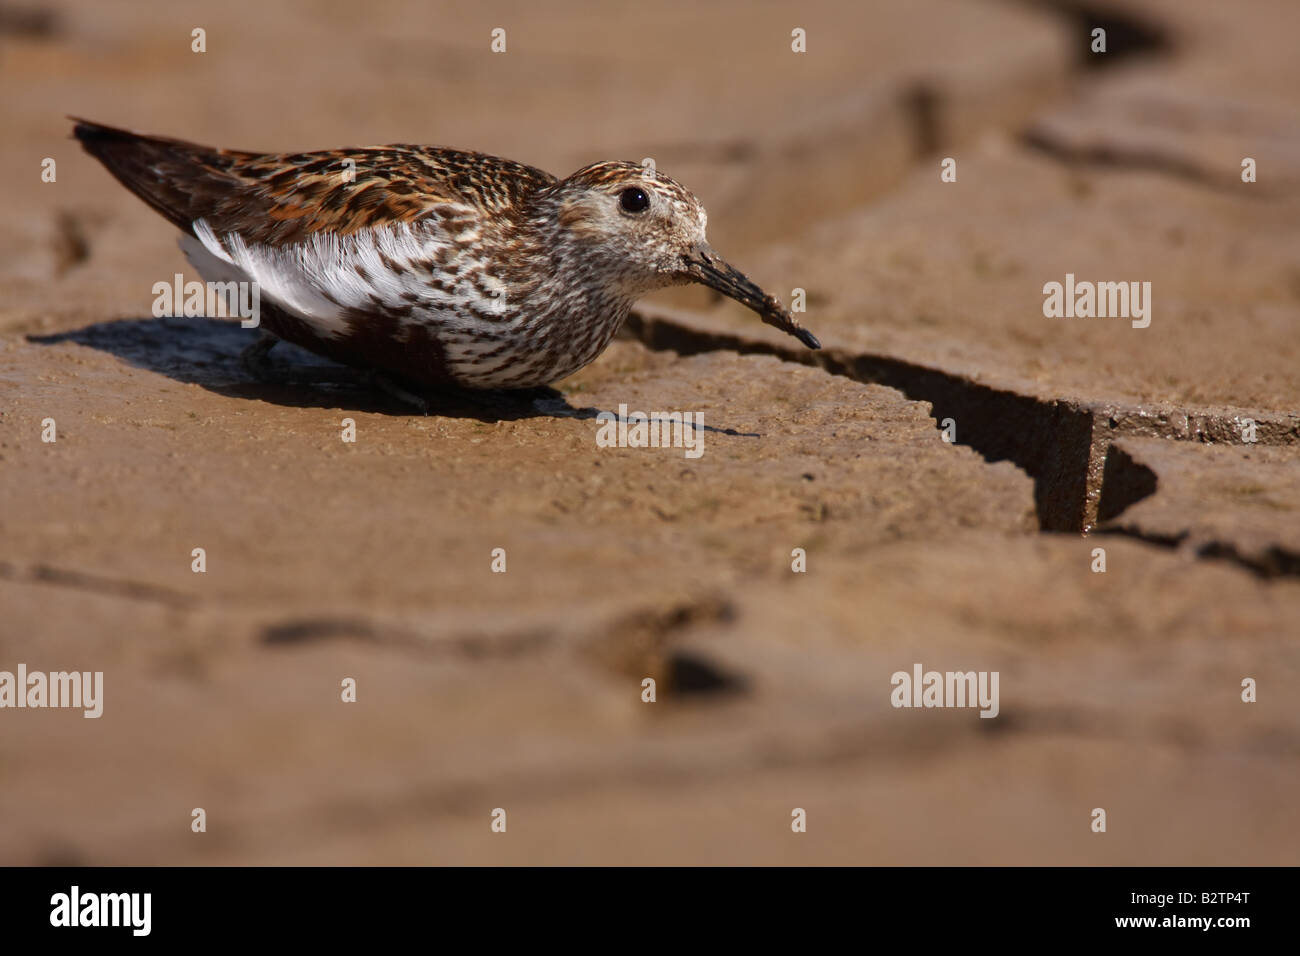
{"points": [[257, 363], [391, 388]]}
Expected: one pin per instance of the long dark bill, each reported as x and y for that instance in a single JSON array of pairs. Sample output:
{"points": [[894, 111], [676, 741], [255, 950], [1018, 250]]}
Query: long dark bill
{"points": [[708, 268]]}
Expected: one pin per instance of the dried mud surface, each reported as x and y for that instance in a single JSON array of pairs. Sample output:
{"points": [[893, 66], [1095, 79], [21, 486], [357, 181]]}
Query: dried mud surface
{"points": [[522, 690]]}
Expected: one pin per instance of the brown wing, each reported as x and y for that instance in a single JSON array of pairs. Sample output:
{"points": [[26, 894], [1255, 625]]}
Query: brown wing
{"points": [[281, 198]]}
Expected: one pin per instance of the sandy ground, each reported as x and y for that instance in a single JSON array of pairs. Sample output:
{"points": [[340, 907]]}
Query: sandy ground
{"points": [[477, 690]]}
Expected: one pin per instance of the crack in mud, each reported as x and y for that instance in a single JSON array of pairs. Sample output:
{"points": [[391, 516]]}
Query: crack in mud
{"points": [[1125, 481], [97, 584], [1273, 562], [1065, 446], [1128, 34], [475, 645], [638, 643]]}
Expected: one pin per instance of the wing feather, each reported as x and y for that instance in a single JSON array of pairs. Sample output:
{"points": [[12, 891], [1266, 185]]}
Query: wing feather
{"points": [[278, 198], [332, 233]]}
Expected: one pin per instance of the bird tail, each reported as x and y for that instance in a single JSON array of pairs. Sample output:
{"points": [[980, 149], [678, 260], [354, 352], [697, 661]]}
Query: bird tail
{"points": [[181, 181]]}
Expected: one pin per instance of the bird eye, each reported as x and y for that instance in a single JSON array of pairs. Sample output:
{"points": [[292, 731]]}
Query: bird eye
{"points": [[634, 199]]}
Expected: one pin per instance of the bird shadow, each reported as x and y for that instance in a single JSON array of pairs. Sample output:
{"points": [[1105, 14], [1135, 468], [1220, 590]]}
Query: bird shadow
{"points": [[205, 352]]}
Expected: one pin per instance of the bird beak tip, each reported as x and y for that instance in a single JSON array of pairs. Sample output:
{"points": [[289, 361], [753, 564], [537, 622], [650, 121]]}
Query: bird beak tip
{"points": [[709, 269]]}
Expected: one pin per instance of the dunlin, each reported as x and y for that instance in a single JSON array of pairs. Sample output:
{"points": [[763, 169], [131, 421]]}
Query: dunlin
{"points": [[430, 265]]}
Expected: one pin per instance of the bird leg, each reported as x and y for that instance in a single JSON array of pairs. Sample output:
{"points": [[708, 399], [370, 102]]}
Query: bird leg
{"points": [[257, 364], [389, 387], [254, 359]]}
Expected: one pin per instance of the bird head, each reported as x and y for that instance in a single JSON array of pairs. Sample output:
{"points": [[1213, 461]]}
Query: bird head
{"points": [[645, 231]]}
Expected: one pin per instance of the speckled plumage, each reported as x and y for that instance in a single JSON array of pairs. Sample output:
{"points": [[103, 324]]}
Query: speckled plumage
{"points": [[434, 265]]}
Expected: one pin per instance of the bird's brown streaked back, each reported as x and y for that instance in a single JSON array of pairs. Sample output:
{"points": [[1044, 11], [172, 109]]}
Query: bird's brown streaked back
{"points": [[278, 198]]}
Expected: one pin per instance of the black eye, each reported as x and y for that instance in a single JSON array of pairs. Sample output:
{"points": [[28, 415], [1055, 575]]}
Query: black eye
{"points": [[634, 199]]}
